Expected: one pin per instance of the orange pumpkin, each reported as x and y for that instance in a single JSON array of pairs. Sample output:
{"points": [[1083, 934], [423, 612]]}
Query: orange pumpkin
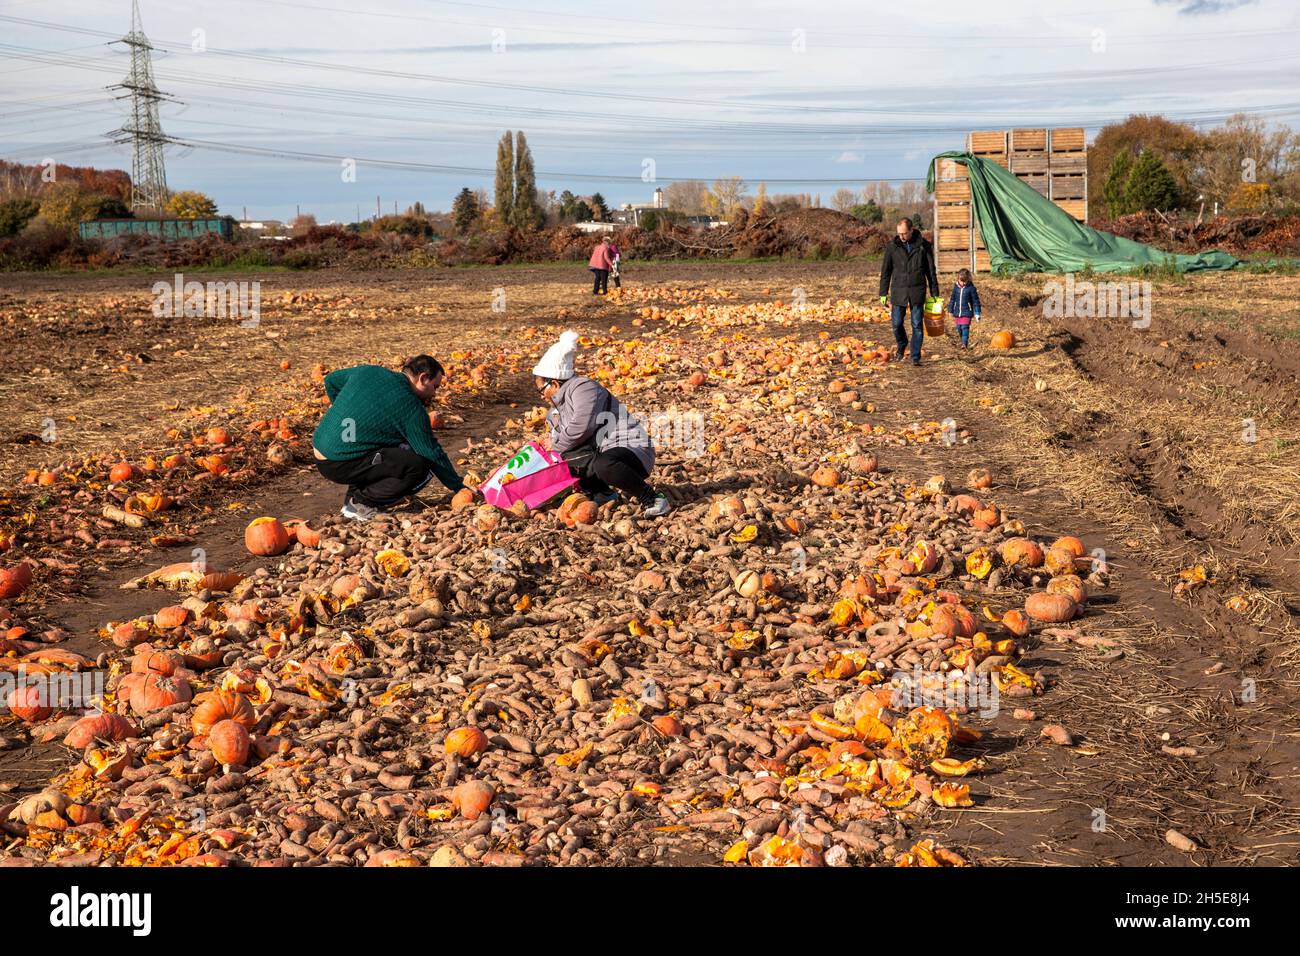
{"points": [[28, 703], [1021, 551], [472, 798], [1051, 608], [1004, 339], [462, 499], [952, 620], [122, 471], [156, 662], [215, 706], [304, 535], [157, 691], [1059, 560], [218, 436], [1016, 622], [668, 725], [569, 506], [979, 478], [924, 735], [465, 742], [1072, 544], [1070, 585], [109, 727], [14, 581], [826, 477], [986, 519], [229, 742], [171, 617], [266, 537]]}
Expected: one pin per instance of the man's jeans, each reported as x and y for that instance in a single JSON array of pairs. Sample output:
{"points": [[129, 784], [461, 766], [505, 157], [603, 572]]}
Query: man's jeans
{"points": [[900, 335]]}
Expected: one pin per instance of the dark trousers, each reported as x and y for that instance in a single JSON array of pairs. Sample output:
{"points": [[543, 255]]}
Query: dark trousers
{"points": [[620, 468], [382, 478], [963, 332], [900, 335], [600, 286]]}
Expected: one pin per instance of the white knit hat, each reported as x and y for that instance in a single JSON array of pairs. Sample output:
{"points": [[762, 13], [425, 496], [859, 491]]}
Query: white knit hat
{"points": [[557, 363]]}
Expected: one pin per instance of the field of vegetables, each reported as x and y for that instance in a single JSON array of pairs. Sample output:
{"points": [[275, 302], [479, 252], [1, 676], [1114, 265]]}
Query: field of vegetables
{"points": [[1034, 604]]}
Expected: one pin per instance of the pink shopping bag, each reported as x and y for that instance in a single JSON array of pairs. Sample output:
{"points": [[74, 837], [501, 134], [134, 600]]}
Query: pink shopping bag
{"points": [[533, 475]]}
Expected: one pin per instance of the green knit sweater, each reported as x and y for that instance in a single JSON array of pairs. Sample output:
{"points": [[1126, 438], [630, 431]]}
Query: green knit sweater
{"points": [[371, 408]]}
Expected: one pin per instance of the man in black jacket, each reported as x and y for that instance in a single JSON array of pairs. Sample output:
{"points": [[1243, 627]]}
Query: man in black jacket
{"points": [[907, 270]]}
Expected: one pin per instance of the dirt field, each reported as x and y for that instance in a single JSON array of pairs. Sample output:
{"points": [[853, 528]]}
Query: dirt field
{"points": [[1172, 452]]}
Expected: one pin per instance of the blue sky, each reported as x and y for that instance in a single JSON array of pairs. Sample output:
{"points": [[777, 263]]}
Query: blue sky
{"points": [[810, 94]]}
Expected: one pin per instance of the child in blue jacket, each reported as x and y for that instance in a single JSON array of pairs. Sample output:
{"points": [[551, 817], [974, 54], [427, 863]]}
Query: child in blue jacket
{"points": [[963, 305]]}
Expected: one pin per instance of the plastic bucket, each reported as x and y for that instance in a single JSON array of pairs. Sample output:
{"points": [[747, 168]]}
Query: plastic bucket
{"points": [[936, 325]]}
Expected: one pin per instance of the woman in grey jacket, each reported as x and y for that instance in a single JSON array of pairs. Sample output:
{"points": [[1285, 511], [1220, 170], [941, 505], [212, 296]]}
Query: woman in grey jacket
{"points": [[605, 446]]}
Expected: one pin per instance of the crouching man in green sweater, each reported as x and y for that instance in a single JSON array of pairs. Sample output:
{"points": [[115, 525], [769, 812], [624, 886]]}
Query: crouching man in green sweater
{"points": [[376, 437]]}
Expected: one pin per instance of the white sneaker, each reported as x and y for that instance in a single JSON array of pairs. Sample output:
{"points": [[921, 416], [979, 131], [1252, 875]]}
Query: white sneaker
{"points": [[356, 511], [658, 508]]}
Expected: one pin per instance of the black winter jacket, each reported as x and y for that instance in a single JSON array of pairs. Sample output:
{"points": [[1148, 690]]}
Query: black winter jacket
{"points": [[904, 275]]}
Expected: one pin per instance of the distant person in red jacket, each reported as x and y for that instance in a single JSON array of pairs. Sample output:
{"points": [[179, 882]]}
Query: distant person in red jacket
{"points": [[600, 263]]}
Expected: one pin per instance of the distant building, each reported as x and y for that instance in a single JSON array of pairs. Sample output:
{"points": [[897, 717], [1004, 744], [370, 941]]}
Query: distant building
{"points": [[598, 226], [632, 212], [264, 226]]}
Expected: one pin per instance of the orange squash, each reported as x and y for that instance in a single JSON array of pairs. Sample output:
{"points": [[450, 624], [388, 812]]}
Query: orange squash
{"points": [[1004, 339], [266, 537], [229, 743], [215, 706], [1051, 608], [465, 742]]}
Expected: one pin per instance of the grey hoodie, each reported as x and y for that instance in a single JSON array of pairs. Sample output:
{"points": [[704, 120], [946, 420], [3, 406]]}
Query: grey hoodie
{"points": [[585, 413]]}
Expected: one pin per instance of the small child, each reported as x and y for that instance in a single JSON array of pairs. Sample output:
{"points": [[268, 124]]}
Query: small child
{"points": [[963, 305]]}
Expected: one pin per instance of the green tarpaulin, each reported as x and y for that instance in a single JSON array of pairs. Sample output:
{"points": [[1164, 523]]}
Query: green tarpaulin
{"points": [[1026, 232]]}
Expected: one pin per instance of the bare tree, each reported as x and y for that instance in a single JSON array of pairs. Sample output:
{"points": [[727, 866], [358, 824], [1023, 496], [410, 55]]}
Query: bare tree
{"points": [[688, 197]]}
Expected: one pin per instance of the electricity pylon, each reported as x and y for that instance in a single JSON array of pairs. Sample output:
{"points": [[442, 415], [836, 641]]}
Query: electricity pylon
{"points": [[148, 174]]}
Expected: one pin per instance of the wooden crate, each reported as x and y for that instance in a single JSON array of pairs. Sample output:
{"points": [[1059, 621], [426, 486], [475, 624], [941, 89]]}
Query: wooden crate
{"points": [[1078, 208], [1073, 163], [1023, 140], [948, 170], [982, 263], [952, 261], [951, 192], [1068, 139], [951, 214], [953, 238], [994, 141], [1029, 162], [1000, 158], [1068, 187], [1037, 183]]}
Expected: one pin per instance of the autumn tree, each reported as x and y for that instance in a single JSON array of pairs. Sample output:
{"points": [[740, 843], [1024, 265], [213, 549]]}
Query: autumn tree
{"points": [[1151, 185], [599, 210], [1113, 190], [66, 204], [189, 204], [687, 197], [760, 199], [725, 195], [1177, 145], [15, 214], [464, 211], [1244, 151], [526, 213], [844, 199], [505, 179]]}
